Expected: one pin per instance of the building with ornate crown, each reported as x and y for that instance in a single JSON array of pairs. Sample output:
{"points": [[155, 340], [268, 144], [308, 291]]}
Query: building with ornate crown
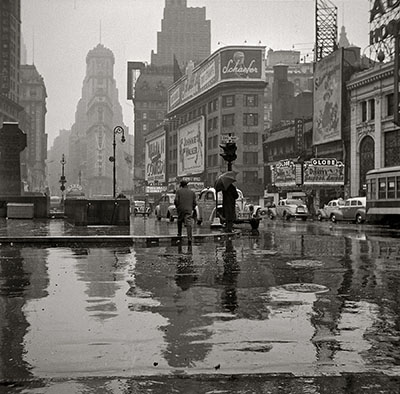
{"points": [[91, 142]]}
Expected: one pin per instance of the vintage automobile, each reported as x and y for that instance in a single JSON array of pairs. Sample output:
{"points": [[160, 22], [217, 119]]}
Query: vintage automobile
{"points": [[209, 210], [140, 208], [166, 207], [289, 208], [354, 209], [326, 211]]}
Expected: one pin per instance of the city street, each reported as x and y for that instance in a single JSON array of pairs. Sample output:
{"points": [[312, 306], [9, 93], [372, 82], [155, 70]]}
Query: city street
{"points": [[300, 307]]}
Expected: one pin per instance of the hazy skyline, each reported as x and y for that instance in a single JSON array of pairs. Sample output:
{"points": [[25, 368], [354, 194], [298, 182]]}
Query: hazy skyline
{"points": [[58, 34]]}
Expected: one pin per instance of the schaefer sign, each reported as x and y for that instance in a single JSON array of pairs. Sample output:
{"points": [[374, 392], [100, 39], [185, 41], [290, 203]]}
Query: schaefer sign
{"points": [[155, 159], [239, 63], [191, 148]]}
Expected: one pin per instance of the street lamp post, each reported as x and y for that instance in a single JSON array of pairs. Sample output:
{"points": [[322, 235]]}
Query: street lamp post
{"points": [[62, 178], [117, 130]]}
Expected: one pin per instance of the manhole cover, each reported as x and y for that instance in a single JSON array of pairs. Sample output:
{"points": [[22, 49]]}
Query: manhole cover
{"points": [[305, 287], [305, 263]]}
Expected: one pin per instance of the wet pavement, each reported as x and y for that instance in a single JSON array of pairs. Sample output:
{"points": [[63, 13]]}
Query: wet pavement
{"points": [[297, 308]]}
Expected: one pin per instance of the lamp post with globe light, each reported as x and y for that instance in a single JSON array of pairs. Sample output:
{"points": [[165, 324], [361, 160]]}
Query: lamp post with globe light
{"points": [[117, 130]]}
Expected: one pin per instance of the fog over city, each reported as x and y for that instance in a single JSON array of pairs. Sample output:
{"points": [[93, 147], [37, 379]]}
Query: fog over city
{"points": [[58, 34]]}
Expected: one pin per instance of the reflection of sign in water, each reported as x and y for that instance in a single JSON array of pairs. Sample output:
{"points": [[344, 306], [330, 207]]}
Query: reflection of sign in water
{"points": [[191, 148], [323, 172], [155, 159]]}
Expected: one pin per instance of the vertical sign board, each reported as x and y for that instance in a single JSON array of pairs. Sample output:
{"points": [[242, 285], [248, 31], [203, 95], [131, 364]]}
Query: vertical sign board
{"points": [[155, 159], [191, 148], [12, 143], [396, 108], [299, 134], [328, 99]]}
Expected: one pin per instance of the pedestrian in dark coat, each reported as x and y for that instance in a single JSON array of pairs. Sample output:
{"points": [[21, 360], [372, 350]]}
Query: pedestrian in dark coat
{"points": [[229, 197], [185, 202]]}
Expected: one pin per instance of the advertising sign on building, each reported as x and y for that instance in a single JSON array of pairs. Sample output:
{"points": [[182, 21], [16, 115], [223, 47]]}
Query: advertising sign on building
{"points": [[155, 159], [191, 148], [5, 49], [241, 63], [328, 99], [323, 172], [283, 173]]}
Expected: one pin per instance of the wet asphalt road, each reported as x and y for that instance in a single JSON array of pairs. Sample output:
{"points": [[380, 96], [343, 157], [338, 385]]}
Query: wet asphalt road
{"points": [[300, 307]]}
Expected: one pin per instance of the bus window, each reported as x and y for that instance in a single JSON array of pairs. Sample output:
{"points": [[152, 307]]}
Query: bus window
{"points": [[382, 188], [391, 188], [398, 186]]}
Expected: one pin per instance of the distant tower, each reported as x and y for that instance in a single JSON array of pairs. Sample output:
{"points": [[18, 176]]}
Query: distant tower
{"points": [[98, 112], [343, 41], [185, 33]]}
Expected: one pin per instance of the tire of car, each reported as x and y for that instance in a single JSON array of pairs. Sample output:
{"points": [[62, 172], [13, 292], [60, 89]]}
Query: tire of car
{"points": [[333, 218], [170, 217], [319, 217], [359, 219], [271, 216], [286, 216]]}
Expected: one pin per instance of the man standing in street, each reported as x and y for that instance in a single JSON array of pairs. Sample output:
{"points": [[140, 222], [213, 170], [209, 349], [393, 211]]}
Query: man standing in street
{"points": [[185, 202], [229, 197]]}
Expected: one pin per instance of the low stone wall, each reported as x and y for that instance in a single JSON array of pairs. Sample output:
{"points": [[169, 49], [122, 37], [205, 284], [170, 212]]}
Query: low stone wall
{"points": [[86, 212], [41, 204]]}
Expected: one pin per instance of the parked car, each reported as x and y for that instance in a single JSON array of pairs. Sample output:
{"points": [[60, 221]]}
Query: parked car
{"points": [[140, 208], [55, 203], [166, 207], [289, 208], [354, 209], [268, 210], [326, 211], [207, 206]]}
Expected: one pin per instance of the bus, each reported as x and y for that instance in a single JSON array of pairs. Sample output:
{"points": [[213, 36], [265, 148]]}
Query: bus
{"points": [[383, 196]]}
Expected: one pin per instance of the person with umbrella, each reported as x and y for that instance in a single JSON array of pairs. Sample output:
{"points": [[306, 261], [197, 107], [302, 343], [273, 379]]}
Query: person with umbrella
{"points": [[225, 184]]}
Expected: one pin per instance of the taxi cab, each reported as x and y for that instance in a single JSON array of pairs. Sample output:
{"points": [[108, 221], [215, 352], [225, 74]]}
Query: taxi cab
{"points": [[166, 207]]}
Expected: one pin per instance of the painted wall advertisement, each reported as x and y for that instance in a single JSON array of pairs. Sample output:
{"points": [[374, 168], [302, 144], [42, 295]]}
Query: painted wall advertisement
{"points": [[191, 148], [328, 99], [155, 159]]}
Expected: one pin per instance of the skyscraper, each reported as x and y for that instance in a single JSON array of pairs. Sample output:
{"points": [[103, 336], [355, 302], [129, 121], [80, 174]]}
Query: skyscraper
{"points": [[185, 36], [185, 33], [91, 142]]}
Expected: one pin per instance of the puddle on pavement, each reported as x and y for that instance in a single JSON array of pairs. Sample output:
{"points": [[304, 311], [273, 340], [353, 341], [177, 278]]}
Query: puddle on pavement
{"points": [[273, 303]]}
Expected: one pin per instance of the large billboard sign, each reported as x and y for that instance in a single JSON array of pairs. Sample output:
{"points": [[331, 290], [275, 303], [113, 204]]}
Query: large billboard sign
{"points": [[191, 148], [323, 172], [155, 159], [328, 98], [233, 63]]}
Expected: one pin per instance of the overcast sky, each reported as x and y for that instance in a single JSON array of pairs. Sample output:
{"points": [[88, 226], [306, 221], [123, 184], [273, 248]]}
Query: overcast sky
{"points": [[58, 34]]}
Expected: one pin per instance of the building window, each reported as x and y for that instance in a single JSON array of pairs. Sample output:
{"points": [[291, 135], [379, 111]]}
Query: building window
{"points": [[364, 111], [250, 176], [144, 127], [371, 109], [392, 148], [144, 115], [250, 119], [250, 158], [228, 120], [228, 101], [250, 139], [213, 106], [390, 104], [251, 100]]}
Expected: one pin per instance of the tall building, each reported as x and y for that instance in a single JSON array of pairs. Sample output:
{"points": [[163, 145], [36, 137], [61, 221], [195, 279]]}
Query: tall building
{"points": [[92, 135], [10, 38], [185, 33], [185, 36], [33, 99]]}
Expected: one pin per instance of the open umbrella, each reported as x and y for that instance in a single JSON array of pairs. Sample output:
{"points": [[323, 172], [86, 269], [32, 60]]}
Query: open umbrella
{"points": [[225, 180]]}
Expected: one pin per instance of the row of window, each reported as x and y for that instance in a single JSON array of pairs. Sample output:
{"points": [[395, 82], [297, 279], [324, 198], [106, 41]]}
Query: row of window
{"points": [[384, 188], [368, 108]]}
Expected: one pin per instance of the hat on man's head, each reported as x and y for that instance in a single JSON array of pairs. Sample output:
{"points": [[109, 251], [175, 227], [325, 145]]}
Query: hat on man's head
{"points": [[183, 182]]}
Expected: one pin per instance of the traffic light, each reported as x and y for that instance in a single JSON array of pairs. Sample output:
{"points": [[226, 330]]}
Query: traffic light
{"points": [[229, 154]]}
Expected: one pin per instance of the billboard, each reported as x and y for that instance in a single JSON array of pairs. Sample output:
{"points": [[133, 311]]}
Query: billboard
{"points": [[191, 148], [324, 172], [155, 159], [241, 62], [284, 173], [328, 99]]}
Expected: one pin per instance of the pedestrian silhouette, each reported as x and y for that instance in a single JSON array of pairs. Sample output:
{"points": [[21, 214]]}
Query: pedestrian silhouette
{"points": [[185, 202]]}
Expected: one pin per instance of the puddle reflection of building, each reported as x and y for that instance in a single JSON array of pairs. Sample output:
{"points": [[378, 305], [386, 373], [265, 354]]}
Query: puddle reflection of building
{"points": [[23, 276], [101, 270]]}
